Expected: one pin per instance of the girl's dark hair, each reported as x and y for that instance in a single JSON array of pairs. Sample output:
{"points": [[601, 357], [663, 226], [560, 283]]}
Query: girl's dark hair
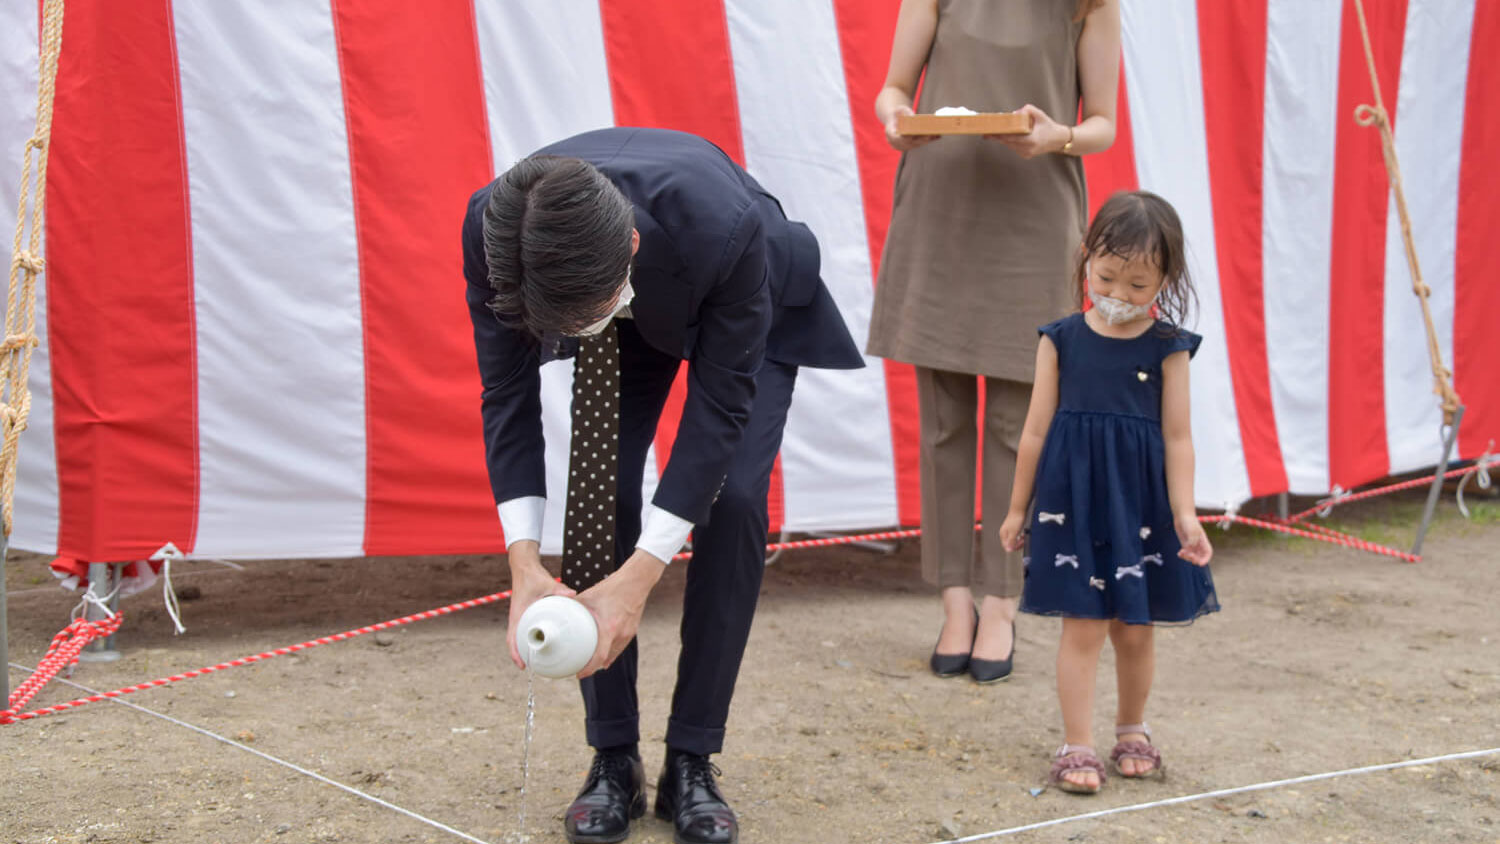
{"points": [[1140, 224], [557, 240]]}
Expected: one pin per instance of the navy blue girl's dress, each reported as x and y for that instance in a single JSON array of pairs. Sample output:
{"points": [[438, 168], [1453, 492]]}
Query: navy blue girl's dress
{"points": [[1102, 543]]}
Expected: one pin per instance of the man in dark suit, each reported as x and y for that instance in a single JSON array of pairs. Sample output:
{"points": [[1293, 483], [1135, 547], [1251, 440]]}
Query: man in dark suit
{"points": [[660, 236]]}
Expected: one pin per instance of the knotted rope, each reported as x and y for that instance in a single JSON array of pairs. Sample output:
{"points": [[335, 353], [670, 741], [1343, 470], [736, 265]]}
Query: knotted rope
{"points": [[62, 653], [25, 265], [1376, 115]]}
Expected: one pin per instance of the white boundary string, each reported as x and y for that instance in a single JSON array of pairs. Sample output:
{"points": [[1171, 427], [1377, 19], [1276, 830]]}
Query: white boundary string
{"points": [[1224, 792], [269, 758], [1117, 810]]}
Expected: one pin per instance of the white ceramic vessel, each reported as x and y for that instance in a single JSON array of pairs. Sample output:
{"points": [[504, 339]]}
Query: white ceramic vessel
{"points": [[557, 636]]}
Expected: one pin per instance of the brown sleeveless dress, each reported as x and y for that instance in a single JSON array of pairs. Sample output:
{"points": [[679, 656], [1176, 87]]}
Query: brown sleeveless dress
{"points": [[983, 242]]}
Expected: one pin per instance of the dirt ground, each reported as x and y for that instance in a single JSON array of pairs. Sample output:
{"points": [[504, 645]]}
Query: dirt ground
{"points": [[1323, 659]]}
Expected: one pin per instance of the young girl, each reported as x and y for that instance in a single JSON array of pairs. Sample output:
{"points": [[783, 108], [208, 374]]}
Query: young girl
{"points": [[1115, 543]]}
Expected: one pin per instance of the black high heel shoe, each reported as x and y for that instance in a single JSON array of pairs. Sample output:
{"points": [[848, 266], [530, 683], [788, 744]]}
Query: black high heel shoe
{"points": [[952, 665], [986, 671]]}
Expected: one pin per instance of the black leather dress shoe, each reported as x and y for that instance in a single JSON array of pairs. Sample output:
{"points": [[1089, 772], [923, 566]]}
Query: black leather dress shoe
{"points": [[994, 670], [952, 665], [687, 796], [613, 795]]}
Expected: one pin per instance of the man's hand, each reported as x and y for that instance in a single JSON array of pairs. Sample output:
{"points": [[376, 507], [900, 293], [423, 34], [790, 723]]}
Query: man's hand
{"points": [[529, 582], [617, 603]]}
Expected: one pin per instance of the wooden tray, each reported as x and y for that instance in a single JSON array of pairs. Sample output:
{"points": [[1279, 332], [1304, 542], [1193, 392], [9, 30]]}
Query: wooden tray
{"points": [[1001, 123]]}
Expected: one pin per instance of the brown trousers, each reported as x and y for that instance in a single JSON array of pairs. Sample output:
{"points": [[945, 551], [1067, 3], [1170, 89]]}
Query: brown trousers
{"points": [[953, 553]]}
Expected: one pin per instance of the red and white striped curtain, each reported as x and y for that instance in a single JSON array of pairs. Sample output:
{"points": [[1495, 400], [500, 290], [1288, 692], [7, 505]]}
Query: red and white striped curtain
{"points": [[255, 341]]}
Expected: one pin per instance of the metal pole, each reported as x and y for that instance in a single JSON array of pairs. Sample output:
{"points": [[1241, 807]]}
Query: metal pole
{"points": [[1283, 507], [100, 582], [4, 638], [1437, 481]]}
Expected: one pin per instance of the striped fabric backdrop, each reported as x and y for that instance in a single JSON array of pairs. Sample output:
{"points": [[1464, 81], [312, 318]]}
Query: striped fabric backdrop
{"points": [[255, 341]]}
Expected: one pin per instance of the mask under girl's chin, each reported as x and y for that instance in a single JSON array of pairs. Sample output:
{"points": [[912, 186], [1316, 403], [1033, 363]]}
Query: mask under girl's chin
{"points": [[1116, 312]]}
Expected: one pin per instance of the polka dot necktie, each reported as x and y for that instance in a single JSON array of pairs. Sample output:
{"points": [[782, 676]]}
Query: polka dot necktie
{"points": [[589, 536]]}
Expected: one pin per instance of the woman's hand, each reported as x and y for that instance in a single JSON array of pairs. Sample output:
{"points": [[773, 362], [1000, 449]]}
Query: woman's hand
{"points": [[1011, 534], [898, 141], [1046, 135], [1196, 548]]}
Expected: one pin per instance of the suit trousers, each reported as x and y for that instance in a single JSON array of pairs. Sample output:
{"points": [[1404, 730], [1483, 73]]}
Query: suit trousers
{"points": [[953, 553], [724, 574]]}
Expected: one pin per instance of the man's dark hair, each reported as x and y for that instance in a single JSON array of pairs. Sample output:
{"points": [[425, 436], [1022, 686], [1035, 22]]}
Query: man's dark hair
{"points": [[557, 240]]}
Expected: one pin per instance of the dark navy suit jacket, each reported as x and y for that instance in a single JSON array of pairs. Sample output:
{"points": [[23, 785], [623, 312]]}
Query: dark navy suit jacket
{"points": [[722, 279]]}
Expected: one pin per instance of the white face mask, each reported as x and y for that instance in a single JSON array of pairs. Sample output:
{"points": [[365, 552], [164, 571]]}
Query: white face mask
{"points": [[1113, 310], [1116, 312], [627, 293]]}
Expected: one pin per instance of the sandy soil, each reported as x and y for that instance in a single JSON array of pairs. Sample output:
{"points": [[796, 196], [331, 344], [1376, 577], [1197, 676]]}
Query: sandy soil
{"points": [[1323, 659]]}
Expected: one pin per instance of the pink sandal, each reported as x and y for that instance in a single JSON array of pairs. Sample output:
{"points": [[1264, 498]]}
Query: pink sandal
{"points": [[1075, 757], [1141, 751]]}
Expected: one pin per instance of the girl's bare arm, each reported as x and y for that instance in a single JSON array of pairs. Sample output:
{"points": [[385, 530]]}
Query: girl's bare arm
{"points": [[1177, 431]]}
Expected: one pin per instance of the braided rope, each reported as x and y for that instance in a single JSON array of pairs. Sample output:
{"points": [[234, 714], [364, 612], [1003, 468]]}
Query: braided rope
{"points": [[10, 716], [62, 653], [1344, 498], [832, 540], [1322, 535], [25, 265], [1377, 116], [66, 645]]}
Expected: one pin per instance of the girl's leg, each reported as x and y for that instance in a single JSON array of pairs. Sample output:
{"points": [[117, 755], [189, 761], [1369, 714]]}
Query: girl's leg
{"points": [[947, 403], [1077, 663], [1135, 668]]}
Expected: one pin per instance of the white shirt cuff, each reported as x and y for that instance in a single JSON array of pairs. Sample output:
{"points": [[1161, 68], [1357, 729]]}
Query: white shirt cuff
{"points": [[663, 534], [521, 518]]}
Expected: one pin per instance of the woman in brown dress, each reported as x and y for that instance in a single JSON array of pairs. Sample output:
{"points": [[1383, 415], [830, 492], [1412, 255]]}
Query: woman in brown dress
{"points": [[983, 237]]}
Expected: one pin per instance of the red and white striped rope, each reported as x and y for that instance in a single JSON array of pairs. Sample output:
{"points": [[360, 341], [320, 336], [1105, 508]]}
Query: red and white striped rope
{"points": [[832, 540], [66, 645], [1345, 498], [11, 716], [1323, 535], [63, 652]]}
